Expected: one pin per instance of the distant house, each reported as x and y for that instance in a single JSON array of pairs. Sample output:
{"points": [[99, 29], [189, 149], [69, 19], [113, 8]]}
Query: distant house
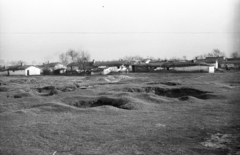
{"points": [[107, 67], [231, 63], [213, 61], [80, 66], [26, 70], [53, 68], [174, 66]]}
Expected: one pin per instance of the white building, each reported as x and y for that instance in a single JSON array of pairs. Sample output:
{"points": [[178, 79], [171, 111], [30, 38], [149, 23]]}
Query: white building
{"points": [[22, 70]]}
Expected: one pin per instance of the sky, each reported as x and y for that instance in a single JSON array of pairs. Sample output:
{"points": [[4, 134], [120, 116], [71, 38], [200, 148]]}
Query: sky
{"points": [[39, 30]]}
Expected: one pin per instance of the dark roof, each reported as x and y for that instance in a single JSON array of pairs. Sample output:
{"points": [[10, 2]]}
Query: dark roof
{"points": [[52, 64], [111, 63], [18, 67], [80, 64], [215, 58], [233, 59], [173, 64]]}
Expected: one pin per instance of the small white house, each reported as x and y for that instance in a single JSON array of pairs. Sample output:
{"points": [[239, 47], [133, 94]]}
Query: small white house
{"points": [[23, 70]]}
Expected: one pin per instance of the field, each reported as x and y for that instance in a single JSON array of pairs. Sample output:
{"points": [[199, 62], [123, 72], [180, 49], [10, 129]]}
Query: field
{"points": [[125, 114]]}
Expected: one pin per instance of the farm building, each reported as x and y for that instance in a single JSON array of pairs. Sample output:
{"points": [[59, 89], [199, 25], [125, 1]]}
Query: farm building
{"points": [[22, 70], [231, 63], [174, 66], [78, 67], [53, 68], [213, 61], [108, 67]]}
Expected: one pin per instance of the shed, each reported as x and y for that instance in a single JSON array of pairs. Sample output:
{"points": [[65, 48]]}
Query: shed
{"points": [[23, 70]]}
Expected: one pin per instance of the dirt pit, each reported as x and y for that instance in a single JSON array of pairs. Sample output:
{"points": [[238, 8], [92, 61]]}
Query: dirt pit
{"points": [[3, 89], [164, 83], [47, 91], [121, 103], [181, 93]]}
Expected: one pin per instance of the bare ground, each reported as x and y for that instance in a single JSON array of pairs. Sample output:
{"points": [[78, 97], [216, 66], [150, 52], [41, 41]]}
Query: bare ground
{"points": [[142, 114]]}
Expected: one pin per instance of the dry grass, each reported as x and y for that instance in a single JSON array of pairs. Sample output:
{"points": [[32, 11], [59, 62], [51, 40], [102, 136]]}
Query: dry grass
{"points": [[99, 115]]}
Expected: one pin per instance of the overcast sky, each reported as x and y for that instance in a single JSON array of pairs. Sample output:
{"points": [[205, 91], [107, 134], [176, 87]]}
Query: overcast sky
{"points": [[40, 30]]}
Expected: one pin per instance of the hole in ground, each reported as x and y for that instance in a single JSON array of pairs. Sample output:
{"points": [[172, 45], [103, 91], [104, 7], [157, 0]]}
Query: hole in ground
{"points": [[173, 93], [47, 91], [165, 83], [101, 101]]}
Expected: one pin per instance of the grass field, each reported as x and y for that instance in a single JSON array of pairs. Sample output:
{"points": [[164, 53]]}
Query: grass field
{"points": [[130, 114]]}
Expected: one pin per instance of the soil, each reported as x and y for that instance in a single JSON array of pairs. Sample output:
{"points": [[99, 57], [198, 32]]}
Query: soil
{"points": [[135, 113]]}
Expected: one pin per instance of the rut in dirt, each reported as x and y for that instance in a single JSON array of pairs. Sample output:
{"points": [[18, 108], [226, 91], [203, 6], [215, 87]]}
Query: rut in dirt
{"points": [[172, 93]]}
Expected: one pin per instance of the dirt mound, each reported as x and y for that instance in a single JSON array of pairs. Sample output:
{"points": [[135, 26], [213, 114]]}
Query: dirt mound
{"points": [[20, 95], [116, 78], [220, 141], [19, 81], [3, 89], [173, 93], [68, 88], [54, 107]]}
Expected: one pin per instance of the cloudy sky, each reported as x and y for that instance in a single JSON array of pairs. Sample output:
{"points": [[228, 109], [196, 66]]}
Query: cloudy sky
{"points": [[40, 30]]}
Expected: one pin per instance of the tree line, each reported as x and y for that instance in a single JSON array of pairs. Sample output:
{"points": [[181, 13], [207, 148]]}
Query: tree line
{"points": [[84, 56], [74, 56]]}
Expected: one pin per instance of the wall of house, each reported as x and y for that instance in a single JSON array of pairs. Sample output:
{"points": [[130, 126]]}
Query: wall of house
{"points": [[32, 71], [191, 68], [18, 72], [59, 66], [72, 68]]}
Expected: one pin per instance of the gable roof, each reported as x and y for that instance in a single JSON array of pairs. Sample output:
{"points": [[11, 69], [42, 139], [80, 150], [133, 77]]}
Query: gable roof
{"points": [[19, 67]]}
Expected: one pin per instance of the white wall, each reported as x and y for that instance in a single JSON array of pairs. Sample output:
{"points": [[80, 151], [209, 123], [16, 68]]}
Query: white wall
{"points": [[192, 68], [33, 71]]}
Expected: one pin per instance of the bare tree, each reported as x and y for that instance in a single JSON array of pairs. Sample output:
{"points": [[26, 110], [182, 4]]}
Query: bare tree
{"points": [[130, 58], [2, 62], [63, 57], [83, 56], [216, 53], [19, 62], [234, 55], [73, 55]]}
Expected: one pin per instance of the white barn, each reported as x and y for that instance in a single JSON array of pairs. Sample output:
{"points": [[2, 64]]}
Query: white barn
{"points": [[22, 70]]}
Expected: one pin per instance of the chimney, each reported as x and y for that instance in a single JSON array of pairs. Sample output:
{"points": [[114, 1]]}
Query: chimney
{"points": [[43, 64], [22, 64], [93, 61], [48, 62]]}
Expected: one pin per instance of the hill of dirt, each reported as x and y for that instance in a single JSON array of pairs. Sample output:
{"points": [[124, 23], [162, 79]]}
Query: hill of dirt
{"points": [[135, 113]]}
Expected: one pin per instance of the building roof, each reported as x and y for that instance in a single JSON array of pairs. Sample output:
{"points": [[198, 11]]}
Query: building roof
{"points": [[19, 67], [80, 64], [52, 64], [222, 58], [111, 63], [174, 64], [233, 59]]}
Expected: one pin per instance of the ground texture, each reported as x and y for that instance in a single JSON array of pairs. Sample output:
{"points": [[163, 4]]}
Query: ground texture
{"points": [[130, 114]]}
